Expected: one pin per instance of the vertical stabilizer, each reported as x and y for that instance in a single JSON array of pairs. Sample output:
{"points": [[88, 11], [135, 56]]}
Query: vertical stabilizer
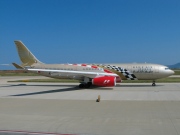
{"points": [[26, 57]]}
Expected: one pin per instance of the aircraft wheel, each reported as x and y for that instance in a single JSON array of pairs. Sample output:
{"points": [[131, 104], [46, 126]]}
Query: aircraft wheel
{"points": [[153, 84], [81, 85], [87, 85]]}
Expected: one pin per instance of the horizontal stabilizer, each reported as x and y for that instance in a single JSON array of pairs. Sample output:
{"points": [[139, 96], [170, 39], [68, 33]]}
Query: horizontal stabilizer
{"points": [[17, 66]]}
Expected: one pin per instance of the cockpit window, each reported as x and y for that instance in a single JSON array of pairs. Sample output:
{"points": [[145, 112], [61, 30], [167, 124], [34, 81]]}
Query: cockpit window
{"points": [[166, 68]]}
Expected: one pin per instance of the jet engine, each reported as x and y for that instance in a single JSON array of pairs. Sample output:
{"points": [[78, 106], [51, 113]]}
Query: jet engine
{"points": [[104, 81]]}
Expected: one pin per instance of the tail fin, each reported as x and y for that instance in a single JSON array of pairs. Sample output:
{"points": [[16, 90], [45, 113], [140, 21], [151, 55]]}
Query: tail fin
{"points": [[26, 57]]}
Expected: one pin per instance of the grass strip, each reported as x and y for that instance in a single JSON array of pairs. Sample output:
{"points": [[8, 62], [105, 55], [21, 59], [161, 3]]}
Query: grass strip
{"points": [[176, 72], [18, 74]]}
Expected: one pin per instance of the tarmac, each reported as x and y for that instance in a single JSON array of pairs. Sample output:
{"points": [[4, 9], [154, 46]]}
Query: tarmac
{"points": [[63, 108]]}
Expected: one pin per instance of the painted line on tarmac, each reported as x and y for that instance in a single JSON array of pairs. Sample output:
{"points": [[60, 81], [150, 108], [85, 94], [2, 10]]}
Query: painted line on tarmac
{"points": [[31, 133]]}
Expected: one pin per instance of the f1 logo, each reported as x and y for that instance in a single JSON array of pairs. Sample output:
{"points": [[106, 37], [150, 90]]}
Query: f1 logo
{"points": [[106, 81]]}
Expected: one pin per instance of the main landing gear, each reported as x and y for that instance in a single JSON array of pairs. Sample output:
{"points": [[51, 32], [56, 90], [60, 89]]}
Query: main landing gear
{"points": [[85, 85], [153, 83]]}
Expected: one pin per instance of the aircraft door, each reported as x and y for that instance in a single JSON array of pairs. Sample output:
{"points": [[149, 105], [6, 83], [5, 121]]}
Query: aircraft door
{"points": [[156, 69], [129, 68]]}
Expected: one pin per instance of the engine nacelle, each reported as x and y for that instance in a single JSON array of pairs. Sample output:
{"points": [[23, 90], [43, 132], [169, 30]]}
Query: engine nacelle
{"points": [[104, 81]]}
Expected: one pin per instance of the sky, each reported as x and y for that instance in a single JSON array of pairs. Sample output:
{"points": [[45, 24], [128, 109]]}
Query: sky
{"points": [[91, 31]]}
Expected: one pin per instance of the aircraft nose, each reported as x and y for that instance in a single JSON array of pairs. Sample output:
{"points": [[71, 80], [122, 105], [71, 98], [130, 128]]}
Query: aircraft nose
{"points": [[171, 72], [165, 71]]}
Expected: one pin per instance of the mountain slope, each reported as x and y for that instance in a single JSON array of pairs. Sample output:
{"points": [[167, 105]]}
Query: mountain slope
{"points": [[175, 66]]}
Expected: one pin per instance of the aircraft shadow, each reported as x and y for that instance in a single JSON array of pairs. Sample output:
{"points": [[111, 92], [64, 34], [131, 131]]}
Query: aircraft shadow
{"points": [[59, 90], [99, 88], [48, 91], [39, 85], [73, 88]]}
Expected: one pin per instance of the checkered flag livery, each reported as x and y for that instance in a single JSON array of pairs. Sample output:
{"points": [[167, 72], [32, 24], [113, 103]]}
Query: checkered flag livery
{"points": [[125, 72]]}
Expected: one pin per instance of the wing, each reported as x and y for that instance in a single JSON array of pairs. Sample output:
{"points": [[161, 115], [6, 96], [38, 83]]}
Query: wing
{"points": [[76, 73]]}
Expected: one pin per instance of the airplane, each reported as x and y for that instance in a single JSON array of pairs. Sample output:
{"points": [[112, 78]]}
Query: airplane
{"points": [[103, 75]]}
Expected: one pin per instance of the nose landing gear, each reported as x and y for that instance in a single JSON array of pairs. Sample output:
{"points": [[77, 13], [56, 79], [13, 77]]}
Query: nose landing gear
{"points": [[153, 83]]}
